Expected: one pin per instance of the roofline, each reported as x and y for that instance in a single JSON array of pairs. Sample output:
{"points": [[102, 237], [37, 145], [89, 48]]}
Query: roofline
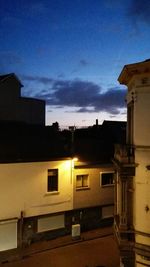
{"points": [[10, 75], [20, 160], [33, 99], [130, 70]]}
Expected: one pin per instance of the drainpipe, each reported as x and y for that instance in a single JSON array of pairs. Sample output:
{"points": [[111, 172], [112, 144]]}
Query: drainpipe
{"points": [[21, 229]]}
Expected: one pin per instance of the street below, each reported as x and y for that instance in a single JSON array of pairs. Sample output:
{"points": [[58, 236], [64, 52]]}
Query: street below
{"points": [[97, 252]]}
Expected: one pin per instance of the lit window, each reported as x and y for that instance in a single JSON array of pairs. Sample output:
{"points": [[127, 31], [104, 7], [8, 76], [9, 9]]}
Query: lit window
{"points": [[52, 182], [106, 178], [82, 181]]}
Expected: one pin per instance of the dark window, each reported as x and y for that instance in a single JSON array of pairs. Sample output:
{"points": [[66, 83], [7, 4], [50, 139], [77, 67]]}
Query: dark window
{"points": [[52, 183], [82, 181], [130, 115], [107, 178]]}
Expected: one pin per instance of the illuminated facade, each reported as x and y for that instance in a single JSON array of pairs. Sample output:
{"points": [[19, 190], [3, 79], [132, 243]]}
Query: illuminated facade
{"points": [[132, 163], [35, 197]]}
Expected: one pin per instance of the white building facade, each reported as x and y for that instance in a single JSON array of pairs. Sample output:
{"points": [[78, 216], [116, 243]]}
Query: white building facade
{"points": [[34, 197], [132, 162]]}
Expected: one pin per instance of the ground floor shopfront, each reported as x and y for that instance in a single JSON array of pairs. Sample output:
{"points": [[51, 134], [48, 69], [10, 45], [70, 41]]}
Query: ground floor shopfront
{"points": [[21, 232]]}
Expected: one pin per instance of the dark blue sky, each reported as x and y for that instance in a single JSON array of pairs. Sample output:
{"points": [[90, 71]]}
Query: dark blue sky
{"points": [[71, 52]]}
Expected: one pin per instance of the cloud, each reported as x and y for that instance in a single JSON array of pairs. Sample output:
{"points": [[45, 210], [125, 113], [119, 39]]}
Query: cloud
{"points": [[85, 110], [83, 63], [85, 96], [61, 75], [111, 101], [140, 10], [80, 65], [43, 80]]}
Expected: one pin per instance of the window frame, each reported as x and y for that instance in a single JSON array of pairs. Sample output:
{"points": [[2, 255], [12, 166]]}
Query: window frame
{"points": [[82, 187], [101, 178], [53, 188]]}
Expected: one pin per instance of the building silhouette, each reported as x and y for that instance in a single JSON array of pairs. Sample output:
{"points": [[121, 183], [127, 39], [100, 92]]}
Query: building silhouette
{"points": [[14, 107]]}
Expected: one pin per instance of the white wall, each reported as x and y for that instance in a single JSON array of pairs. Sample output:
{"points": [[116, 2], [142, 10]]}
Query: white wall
{"points": [[142, 195], [24, 188], [139, 92], [141, 95]]}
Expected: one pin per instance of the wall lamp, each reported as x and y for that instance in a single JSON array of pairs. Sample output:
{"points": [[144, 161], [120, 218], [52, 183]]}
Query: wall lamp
{"points": [[75, 159]]}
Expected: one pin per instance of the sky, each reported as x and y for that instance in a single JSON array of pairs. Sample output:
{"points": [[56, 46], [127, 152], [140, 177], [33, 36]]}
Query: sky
{"points": [[71, 52]]}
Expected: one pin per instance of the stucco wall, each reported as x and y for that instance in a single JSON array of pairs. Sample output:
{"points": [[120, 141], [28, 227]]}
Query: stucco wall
{"points": [[142, 192], [139, 94], [142, 118], [24, 188], [95, 194]]}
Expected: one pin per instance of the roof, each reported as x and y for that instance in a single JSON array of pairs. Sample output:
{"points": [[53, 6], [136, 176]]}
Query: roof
{"points": [[130, 70], [22, 142], [3, 78], [96, 144]]}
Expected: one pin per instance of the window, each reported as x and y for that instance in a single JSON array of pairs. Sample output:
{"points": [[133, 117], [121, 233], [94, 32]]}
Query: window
{"points": [[107, 178], [82, 181], [51, 223], [52, 183], [130, 119], [107, 212]]}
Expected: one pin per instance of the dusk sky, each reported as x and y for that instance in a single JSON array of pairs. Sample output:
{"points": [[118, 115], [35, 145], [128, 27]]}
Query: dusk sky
{"points": [[71, 52]]}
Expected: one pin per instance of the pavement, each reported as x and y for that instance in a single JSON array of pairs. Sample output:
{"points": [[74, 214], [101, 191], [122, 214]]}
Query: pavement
{"points": [[15, 256]]}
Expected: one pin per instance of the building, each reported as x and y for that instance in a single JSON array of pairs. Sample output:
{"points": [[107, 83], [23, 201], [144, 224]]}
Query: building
{"points": [[38, 196], [44, 193], [14, 107], [132, 164], [93, 194], [36, 185], [35, 171], [93, 189]]}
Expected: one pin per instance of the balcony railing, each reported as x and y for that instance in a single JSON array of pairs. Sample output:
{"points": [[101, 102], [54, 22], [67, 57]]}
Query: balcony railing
{"points": [[124, 153]]}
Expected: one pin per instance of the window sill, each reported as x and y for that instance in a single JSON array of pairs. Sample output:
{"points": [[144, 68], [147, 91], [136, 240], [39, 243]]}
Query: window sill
{"points": [[52, 193], [107, 185], [82, 188]]}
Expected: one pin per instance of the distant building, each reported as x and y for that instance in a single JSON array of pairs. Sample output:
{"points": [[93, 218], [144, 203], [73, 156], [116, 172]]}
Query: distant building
{"points": [[14, 107], [132, 164]]}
